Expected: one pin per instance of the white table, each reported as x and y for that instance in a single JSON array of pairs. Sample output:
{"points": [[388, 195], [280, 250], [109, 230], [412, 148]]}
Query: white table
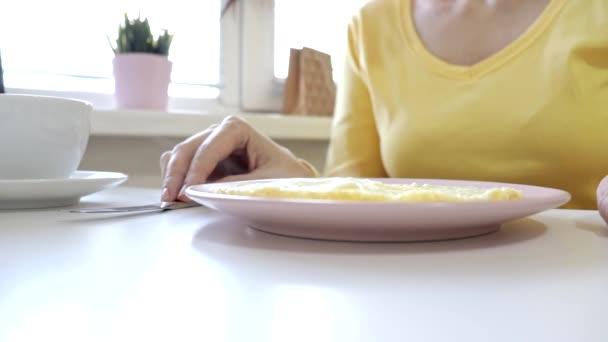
{"points": [[193, 275]]}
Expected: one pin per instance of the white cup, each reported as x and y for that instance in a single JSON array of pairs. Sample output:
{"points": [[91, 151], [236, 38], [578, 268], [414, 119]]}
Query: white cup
{"points": [[42, 137]]}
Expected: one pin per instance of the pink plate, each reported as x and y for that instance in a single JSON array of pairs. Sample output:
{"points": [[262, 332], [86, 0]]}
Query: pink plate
{"points": [[376, 221]]}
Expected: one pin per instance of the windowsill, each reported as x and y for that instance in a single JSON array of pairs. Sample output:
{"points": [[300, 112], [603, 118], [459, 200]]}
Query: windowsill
{"points": [[184, 124]]}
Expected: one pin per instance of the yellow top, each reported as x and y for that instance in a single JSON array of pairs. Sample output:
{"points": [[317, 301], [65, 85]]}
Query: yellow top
{"points": [[534, 113]]}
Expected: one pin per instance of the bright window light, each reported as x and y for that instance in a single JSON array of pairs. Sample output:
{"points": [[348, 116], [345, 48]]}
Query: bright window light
{"points": [[62, 44]]}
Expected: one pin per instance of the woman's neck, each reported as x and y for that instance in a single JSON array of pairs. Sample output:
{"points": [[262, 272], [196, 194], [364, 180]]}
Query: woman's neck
{"points": [[465, 32]]}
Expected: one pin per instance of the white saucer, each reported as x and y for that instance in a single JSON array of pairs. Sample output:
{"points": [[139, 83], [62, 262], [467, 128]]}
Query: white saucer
{"points": [[50, 193]]}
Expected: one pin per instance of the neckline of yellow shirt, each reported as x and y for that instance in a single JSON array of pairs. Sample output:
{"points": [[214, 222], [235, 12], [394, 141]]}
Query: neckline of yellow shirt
{"points": [[438, 65]]}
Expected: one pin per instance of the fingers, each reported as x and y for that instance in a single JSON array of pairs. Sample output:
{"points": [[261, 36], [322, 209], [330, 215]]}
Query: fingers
{"points": [[207, 156], [176, 170], [164, 160], [232, 135], [256, 174], [230, 166], [177, 163]]}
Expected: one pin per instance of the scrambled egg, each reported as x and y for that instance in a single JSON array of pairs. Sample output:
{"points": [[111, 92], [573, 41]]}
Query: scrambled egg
{"points": [[356, 189]]}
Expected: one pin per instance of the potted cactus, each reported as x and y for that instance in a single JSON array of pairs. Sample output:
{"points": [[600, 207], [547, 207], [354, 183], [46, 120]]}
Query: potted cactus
{"points": [[142, 70]]}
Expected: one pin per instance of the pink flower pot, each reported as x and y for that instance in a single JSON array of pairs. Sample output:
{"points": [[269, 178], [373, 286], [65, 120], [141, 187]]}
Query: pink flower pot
{"points": [[141, 81]]}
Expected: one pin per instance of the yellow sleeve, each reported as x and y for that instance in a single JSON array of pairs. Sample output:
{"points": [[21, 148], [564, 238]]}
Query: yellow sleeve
{"points": [[354, 149]]}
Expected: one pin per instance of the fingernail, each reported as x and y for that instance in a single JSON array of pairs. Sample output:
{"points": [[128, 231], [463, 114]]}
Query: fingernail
{"points": [[165, 195]]}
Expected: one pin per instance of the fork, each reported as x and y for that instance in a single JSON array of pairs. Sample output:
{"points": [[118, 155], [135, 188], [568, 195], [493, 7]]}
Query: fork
{"points": [[162, 206]]}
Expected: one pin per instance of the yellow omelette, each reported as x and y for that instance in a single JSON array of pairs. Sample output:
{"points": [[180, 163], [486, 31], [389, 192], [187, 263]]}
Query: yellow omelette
{"points": [[360, 189]]}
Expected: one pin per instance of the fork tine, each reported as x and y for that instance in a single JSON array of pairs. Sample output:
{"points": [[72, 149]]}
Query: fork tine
{"points": [[139, 207], [163, 206]]}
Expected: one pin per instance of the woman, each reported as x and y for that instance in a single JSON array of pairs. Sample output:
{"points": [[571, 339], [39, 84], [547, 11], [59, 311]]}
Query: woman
{"points": [[498, 90]]}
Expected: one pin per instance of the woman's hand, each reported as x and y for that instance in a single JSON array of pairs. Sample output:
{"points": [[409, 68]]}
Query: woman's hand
{"points": [[230, 151], [602, 198]]}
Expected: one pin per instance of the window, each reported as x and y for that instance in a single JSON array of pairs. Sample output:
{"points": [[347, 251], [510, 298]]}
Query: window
{"points": [[60, 48], [317, 24], [63, 45], [278, 25]]}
